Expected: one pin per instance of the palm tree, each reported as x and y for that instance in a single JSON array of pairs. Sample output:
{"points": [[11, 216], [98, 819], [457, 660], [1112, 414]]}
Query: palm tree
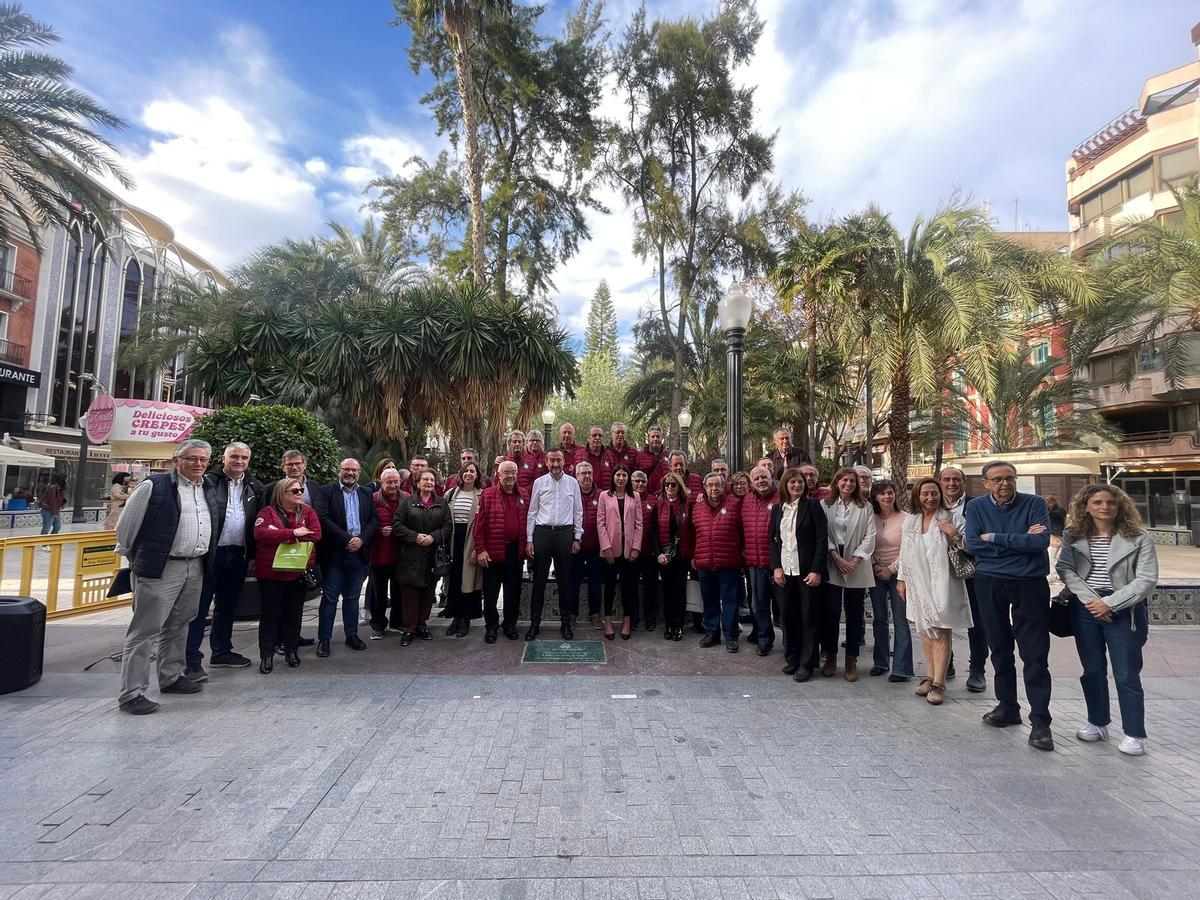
{"points": [[460, 20], [818, 268], [47, 148], [1033, 404], [944, 293], [378, 261], [1151, 279]]}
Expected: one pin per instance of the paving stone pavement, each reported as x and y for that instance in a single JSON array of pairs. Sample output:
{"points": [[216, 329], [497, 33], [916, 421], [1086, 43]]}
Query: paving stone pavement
{"points": [[321, 782]]}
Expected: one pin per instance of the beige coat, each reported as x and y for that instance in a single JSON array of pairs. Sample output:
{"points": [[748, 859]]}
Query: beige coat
{"points": [[472, 575]]}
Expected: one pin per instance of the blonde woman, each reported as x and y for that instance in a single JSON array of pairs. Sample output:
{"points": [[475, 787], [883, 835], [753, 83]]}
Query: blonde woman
{"points": [[1108, 561], [936, 599]]}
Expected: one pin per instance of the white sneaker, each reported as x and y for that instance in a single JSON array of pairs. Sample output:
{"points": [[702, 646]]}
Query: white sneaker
{"points": [[1132, 746], [1092, 733]]}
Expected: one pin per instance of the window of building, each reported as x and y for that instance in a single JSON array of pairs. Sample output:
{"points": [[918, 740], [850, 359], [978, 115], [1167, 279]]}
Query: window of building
{"points": [[1187, 418], [1139, 181], [8, 265], [1171, 98], [3, 326], [1047, 422], [1176, 167], [1151, 359], [138, 290], [1173, 218], [1114, 367], [1040, 353], [959, 434], [1109, 198]]}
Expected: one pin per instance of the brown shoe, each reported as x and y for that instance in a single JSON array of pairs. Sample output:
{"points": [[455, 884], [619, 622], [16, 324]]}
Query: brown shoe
{"points": [[852, 668], [937, 693], [924, 686], [829, 667]]}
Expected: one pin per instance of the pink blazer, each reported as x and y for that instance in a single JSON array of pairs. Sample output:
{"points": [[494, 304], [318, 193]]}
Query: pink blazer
{"points": [[608, 523]]}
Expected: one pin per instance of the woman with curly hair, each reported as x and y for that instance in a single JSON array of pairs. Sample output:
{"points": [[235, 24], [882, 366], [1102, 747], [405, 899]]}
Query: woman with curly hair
{"points": [[1109, 563]]}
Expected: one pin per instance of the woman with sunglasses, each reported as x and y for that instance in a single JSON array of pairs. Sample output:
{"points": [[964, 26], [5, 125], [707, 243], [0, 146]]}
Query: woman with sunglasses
{"points": [[285, 520]]}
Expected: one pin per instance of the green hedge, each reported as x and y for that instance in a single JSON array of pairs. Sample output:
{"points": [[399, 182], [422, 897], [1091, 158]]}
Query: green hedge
{"points": [[269, 431]]}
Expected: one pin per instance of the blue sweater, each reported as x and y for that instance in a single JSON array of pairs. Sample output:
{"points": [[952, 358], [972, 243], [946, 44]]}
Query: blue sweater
{"points": [[1012, 552]]}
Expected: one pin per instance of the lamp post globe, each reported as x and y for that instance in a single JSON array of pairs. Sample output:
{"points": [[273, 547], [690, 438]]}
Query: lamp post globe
{"points": [[548, 417], [735, 310], [685, 422]]}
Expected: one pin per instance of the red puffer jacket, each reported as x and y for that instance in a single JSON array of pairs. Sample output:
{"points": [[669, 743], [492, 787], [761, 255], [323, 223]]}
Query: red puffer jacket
{"points": [[530, 467], [383, 549], [489, 521], [655, 467], [571, 455], [663, 514], [591, 533], [649, 522], [601, 467], [756, 525], [627, 455], [712, 536], [270, 531]]}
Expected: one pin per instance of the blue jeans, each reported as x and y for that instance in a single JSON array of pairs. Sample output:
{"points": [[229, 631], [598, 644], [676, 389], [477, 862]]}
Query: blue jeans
{"points": [[51, 522], [902, 654], [719, 591], [1123, 639], [760, 581], [341, 582], [223, 581], [585, 567]]}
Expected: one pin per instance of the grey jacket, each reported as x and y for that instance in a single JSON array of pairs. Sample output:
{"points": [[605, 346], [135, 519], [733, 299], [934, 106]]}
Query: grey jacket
{"points": [[1132, 567]]}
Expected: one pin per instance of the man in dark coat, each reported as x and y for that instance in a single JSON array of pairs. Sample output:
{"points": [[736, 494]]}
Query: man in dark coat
{"points": [[348, 522]]}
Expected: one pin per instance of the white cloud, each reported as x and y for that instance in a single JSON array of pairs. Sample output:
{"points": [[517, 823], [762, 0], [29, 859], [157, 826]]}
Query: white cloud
{"points": [[316, 166]]}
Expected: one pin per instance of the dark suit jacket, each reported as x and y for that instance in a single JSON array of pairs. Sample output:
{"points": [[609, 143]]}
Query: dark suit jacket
{"points": [[331, 510], [251, 501], [812, 538]]}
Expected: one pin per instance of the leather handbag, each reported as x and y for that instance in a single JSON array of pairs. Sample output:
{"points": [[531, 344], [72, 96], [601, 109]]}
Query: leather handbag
{"points": [[1060, 614], [441, 561]]}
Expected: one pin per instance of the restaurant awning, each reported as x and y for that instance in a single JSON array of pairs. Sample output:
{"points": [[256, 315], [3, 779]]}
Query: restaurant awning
{"points": [[11, 456]]}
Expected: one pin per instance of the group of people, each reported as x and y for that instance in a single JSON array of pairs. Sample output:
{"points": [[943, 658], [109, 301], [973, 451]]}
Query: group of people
{"points": [[636, 526]]}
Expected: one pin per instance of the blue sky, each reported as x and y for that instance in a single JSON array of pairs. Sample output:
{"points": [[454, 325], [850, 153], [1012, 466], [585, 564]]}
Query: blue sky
{"points": [[252, 121]]}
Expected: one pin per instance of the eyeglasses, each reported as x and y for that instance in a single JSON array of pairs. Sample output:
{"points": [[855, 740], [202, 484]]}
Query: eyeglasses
{"points": [[195, 460], [1004, 479], [299, 492]]}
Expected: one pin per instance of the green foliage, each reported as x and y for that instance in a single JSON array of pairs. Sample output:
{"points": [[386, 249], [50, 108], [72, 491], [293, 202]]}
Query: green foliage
{"points": [[601, 337], [599, 399], [47, 148], [269, 431], [537, 138], [684, 154]]}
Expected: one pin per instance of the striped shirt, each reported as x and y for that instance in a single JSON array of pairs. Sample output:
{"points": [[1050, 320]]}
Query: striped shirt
{"points": [[1098, 578], [464, 506]]}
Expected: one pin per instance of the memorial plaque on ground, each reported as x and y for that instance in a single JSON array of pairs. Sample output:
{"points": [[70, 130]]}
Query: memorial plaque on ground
{"points": [[564, 652]]}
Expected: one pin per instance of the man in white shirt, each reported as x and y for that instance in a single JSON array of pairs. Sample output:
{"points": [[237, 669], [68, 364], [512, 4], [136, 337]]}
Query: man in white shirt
{"points": [[166, 530], [237, 506], [554, 529]]}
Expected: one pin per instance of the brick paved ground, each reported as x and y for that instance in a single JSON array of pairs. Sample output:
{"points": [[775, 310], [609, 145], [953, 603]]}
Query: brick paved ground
{"points": [[365, 776]]}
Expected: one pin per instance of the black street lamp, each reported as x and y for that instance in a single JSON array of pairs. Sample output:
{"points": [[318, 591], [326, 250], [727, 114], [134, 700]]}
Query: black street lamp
{"points": [[685, 422], [734, 310], [547, 425]]}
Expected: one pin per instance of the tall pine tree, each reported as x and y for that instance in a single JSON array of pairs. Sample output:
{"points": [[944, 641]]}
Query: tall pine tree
{"points": [[602, 326]]}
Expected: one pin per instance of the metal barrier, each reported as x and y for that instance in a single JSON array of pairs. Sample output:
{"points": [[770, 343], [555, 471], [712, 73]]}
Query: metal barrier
{"points": [[95, 563]]}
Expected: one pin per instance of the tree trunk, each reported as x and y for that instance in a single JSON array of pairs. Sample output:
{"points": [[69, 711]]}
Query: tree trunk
{"points": [[898, 445], [464, 71], [502, 258], [938, 437], [810, 317]]}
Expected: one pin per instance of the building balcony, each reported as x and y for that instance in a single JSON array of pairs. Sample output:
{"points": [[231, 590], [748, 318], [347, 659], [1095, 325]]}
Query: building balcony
{"points": [[1157, 445], [1145, 389], [12, 353], [17, 286]]}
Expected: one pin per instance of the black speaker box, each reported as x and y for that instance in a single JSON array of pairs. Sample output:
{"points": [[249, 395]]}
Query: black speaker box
{"points": [[22, 642]]}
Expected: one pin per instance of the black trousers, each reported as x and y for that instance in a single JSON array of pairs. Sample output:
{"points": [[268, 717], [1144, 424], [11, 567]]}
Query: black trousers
{"points": [[282, 609], [504, 575], [674, 592], [623, 572], [831, 619], [976, 635], [799, 607], [551, 544], [1016, 611], [385, 590], [649, 589]]}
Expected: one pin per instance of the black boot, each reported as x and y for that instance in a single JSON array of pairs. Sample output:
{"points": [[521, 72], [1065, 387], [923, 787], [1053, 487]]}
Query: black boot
{"points": [[266, 664]]}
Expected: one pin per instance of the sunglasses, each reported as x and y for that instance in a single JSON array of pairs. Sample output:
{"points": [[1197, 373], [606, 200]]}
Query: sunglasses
{"points": [[299, 492]]}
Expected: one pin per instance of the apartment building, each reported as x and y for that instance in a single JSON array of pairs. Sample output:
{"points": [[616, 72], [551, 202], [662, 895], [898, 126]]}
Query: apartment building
{"points": [[1117, 179]]}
